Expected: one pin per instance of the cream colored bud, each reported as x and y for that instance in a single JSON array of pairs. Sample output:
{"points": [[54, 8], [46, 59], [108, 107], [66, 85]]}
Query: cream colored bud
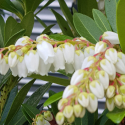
{"points": [[77, 109], [40, 120], [122, 79], [12, 47], [60, 118], [118, 100], [48, 116], [82, 112], [61, 103], [110, 91], [110, 104], [41, 37], [71, 119], [68, 111], [24, 49], [122, 89]]}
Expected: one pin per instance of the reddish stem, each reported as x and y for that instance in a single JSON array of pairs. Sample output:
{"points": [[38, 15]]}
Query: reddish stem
{"points": [[100, 38]]}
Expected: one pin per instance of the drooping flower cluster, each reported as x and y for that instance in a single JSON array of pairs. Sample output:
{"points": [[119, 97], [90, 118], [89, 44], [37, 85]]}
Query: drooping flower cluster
{"points": [[102, 74]]}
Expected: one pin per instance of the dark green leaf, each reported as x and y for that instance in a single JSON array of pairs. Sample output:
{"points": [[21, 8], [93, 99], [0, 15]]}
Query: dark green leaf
{"points": [[2, 24], [52, 79], [64, 73], [62, 24], [27, 23], [120, 23], [110, 9], [47, 29], [9, 103], [101, 20], [86, 27], [59, 37], [74, 10], [53, 105], [53, 98], [18, 101], [86, 6], [15, 37]]}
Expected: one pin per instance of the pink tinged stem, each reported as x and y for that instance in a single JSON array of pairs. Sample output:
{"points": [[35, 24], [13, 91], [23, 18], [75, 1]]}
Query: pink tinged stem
{"points": [[99, 68], [55, 45], [81, 90], [118, 74], [78, 83], [31, 40], [87, 69], [65, 41], [100, 38], [76, 102], [87, 44], [76, 47], [45, 37], [112, 83], [90, 78]]}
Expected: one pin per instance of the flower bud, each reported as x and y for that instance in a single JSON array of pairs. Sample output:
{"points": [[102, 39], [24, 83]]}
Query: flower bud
{"points": [[89, 51], [59, 62], [82, 38], [110, 104], [60, 118], [69, 68], [40, 120], [110, 91], [118, 100], [83, 111], [61, 103], [78, 76], [97, 89], [78, 59], [111, 55], [107, 66], [122, 79], [48, 116], [88, 61], [122, 90], [111, 36], [41, 37], [68, 52], [69, 90], [68, 111], [103, 78], [12, 59], [71, 119], [83, 99], [121, 55], [24, 49], [77, 109], [100, 47], [93, 103], [12, 47]]}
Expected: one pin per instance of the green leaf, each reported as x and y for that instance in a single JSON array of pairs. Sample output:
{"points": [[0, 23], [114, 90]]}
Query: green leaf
{"points": [[18, 101], [86, 6], [53, 105], [62, 24], [116, 115], [27, 23], [74, 10], [47, 29], [110, 9], [101, 20], [53, 98], [15, 37], [2, 24], [59, 37], [86, 27], [52, 79], [120, 23], [33, 100], [9, 103]]}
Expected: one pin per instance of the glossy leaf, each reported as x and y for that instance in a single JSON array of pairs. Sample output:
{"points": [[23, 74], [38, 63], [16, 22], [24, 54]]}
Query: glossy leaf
{"points": [[18, 101], [33, 100], [86, 27], [54, 104], [59, 37], [121, 24], [28, 23], [86, 6], [101, 20], [110, 9], [55, 97], [116, 115], [9, 103], [47, 29], [52, 79], [62, 24]]}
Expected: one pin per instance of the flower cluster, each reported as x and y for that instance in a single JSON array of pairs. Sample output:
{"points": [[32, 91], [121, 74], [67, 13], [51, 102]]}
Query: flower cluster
{"points": [[102, 74]]}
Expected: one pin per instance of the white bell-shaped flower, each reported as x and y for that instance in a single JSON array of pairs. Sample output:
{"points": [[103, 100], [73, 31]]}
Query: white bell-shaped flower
{"points": [[83, 99], [52, 68], [69, 68], [93, 103], [71, 119], [103, 78], [60, 118], [45, 51], [77, 109], [68, 111], [32, 61], [111, 36], [13, 59], [100, 47], [4, 67], [82, 112], [112, 77], [78, 59], [59, 62], [97, 89], [111, 55], [68, 52], [41, 37], [21, 66], [110, 91], [107, 66], [110, 104], [88, 61], [89, 51], [121, 56], [40, 120], [14, 70], [118, 100], [78, 77], [43, 68], [61, 103], [122, 79], [69, 90]]}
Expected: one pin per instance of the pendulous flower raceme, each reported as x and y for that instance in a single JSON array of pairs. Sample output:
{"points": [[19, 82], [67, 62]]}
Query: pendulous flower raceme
{"points": [[98, 70]]}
